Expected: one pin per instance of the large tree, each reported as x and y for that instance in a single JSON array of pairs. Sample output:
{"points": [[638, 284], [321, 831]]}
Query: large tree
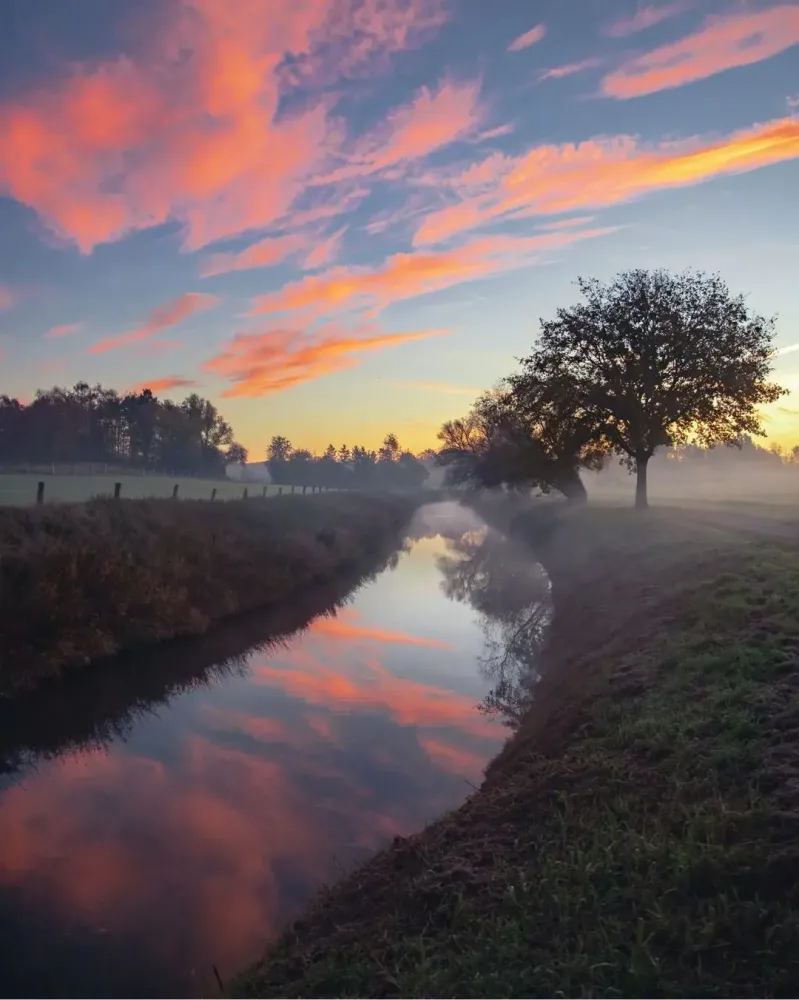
{"points": [[654, 359]]}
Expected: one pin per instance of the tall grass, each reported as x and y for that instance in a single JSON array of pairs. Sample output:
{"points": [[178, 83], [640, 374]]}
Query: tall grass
{"points": [[79, 583]]}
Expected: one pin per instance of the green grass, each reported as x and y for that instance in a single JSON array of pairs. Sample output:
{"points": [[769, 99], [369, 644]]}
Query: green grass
{"points": [[639, 835], [82, 582], [19, 490]]}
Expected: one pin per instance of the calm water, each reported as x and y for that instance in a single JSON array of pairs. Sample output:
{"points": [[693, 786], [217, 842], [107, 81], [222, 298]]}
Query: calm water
{"points": [[171, 812]]}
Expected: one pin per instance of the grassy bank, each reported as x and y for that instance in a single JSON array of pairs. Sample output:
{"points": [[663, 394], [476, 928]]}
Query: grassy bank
{"points": [[78, 583], [639, 835]]}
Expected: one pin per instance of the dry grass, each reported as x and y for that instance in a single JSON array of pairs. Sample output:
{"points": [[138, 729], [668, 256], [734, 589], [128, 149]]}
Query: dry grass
{"points": [[639, 836], [83, 582]]}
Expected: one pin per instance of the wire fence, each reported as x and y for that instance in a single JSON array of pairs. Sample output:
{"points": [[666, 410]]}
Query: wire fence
{"points": [[24, 489]]}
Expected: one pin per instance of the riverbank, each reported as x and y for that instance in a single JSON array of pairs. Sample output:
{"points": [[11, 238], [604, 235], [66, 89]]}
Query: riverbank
{"points": [[639, 834], [83, 582]]}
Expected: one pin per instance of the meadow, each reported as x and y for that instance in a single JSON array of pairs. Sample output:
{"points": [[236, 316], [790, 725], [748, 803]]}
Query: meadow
{"points": [[19, 489]]}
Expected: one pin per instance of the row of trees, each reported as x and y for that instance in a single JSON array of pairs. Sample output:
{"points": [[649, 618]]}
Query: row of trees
{"points": [[648, 361], [390, 467], [95, 424]]}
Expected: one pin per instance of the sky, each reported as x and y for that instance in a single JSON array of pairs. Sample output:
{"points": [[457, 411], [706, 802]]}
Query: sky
{"points": [[340, 218]]}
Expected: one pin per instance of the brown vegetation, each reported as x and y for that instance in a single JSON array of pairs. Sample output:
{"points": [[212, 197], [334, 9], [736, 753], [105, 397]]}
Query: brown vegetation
{"points": [[86, 581], [638, 836]]}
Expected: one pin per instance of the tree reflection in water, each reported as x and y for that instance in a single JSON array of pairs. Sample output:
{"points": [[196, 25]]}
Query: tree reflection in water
{"points": [[512, 594]]}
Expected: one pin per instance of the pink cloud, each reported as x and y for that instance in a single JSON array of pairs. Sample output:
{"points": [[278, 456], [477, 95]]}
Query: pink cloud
{"points": [[432, 120], [62, 331], [325, 252], [189, 129], [569, 69], [266, 253], [258, 364], [161, 318], [553, 179], [645, 18], [156, 385], [723, 42], [529, 38], [7, 297]]}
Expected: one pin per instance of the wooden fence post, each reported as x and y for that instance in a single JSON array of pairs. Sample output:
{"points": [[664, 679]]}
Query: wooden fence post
{"points": [[244, 494], [117, 490], [175, 492], [264, 493], [40, 493], [213, 493], [304, 489]]}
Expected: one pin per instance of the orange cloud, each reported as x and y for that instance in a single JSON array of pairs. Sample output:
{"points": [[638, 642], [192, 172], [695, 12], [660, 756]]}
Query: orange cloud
{"points": [[406, 275], [528, 38], [596, 173], [62, 331], [189, 129], [161, 318], [262, 363], [156, 385], [645, 18], [725, 41], [266, 253], [569, 69]]}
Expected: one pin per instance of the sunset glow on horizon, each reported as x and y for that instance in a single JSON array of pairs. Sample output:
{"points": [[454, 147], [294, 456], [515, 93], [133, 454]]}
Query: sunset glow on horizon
{"points": [[340, 218]]}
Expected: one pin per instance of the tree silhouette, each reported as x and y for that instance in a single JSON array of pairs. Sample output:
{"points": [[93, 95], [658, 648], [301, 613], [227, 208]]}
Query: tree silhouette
{"points": [[522, 441], [653, 359]]}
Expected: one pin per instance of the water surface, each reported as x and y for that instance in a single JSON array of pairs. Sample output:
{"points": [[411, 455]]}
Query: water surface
{"points": [[170, 812]]}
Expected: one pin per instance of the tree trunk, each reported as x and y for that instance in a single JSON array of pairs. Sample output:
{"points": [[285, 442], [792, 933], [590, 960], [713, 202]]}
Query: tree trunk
{"points": [[572, 487], [641, 463]]}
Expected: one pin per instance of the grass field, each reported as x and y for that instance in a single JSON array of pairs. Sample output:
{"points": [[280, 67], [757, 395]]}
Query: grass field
{"points": [[639, 835], [19, 490]]}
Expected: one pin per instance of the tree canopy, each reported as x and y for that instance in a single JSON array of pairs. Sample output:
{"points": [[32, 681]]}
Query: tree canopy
{"points": [[653, 359]]}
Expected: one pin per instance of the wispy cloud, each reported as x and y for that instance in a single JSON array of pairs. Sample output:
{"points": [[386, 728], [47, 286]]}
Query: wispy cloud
{"points": [[265, 253], [433, 119], [407, 275], [165, 384], [325, 252], [188, 129], [258, 364], [569, 69], [645, 17], [552, 179], [161, 318], [8, 297], [529, 38], [723, 42], [62, 331]]}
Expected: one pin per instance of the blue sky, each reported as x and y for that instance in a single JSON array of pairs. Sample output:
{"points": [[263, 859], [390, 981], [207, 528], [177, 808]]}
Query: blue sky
{"points": [[338, 218]]}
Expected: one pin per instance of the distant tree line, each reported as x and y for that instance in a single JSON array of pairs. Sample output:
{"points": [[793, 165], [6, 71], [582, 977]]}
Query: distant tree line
{"points": [[390, 467], [94, 424], [651, 360]]}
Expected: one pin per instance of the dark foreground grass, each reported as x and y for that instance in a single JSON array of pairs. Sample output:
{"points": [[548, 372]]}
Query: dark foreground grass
{"points": [[639, 836], [82, 582]]}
